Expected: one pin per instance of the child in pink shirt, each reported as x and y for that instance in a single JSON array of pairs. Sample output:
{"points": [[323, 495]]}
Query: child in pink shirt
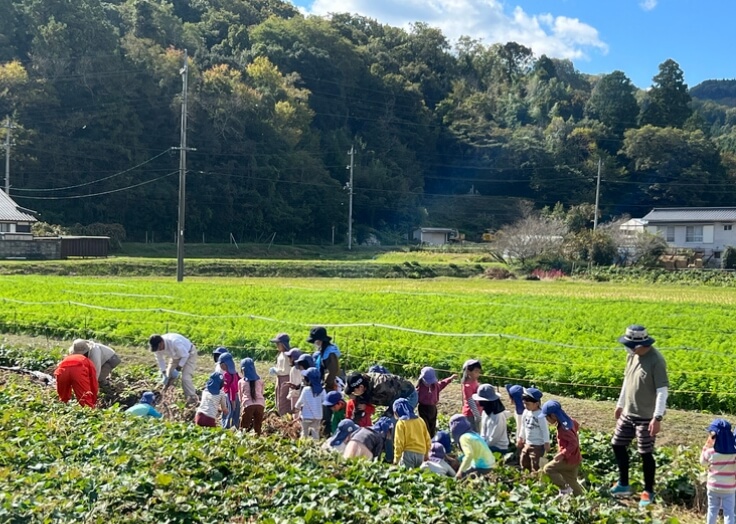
{"points": [[230, 389], [428, 391], [471, 372], [250, 390]]}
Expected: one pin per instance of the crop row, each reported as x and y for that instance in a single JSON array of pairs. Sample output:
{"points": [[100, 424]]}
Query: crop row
{"points": [[560, 336]]}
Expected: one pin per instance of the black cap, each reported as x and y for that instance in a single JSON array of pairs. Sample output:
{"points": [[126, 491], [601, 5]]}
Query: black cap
{"points": [[318, 333]]}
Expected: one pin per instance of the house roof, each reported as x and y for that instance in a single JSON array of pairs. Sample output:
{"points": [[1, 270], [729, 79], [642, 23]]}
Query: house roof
{"points": [[12, 212], [691, 214], [435, 230], [633, 222]]}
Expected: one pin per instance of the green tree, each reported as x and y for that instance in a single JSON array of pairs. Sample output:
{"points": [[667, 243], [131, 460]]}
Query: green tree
{"points": [[669, 100], [613, 103]]}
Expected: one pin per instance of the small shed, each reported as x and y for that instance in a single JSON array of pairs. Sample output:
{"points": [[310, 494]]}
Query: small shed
{"points": [[435, 236], [633, 226], [84, 247]]}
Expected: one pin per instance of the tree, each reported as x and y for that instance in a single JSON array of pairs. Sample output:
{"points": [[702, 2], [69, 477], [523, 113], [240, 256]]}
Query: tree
{"points": [[530, 237], [613, 103], [669, 100]]}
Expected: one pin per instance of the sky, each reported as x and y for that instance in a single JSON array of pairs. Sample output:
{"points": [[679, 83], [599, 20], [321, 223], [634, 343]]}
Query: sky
{"points": [[599, 36]]}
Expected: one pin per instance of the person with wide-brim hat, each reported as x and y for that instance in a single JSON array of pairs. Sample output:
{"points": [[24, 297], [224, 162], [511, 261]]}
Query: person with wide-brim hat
{"points": [[327, 361], [640, 409], [103, 357]]}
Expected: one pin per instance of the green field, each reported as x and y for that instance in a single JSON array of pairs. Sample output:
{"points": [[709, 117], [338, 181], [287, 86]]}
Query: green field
{"points": [[560, 336]]}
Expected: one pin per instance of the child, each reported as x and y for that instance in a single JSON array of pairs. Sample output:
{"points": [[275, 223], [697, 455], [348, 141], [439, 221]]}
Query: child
{"points": [[493, 426], [533, 437], [563, 469], [213, 400], [444, 438], [334, 401], [342, 437], [471, 371], [436, 462], [216, 353], [304, 362], [250, 392], [369, 442], [477, 457], [429, 389], [411, 439], [310, 403], [230, 379], [295, 377], [719, 454], [515, 395], [145, 408], [359, 412], [281, 370]]}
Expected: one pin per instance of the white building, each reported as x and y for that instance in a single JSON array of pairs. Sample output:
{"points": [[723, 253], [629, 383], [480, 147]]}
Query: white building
{"points": [[435, 236], [15, 221]]}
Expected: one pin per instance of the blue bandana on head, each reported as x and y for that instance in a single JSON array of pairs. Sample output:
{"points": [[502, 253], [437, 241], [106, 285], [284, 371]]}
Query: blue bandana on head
{"points": [[214, 384], [516, 392], [227, 359], [552, 407], [249, 370], [724, 439], [148, 398], [383, 426], [403, 409], [377, 368], [443, 437], [315, 380]]}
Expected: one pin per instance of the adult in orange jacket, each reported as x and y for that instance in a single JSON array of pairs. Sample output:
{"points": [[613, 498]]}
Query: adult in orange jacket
{"points": [[77, 372]]}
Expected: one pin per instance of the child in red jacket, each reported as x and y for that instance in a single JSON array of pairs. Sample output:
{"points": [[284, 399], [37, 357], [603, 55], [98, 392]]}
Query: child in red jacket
{"points": [[563, 469], [359, 413]]}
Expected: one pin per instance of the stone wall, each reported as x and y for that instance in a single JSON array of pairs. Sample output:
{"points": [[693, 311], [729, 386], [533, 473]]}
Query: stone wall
{"points": [[36, 249]]}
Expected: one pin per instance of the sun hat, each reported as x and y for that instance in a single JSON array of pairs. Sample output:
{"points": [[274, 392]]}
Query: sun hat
{"points": [[723, 438], [552, 407], [437, 452], [293, 353], [516, 392], [332, 398], [318, 333], [532, 393], [403, 409], [459, 426], [249, 370], [80, 347], [471, 363], [443, 437], [428, 376], [282, 338], [219, 351], [486, 392], [148, 398], [306, 360], [377, 368], [214, 384], [636, 336], [345, 428], [383, 426], [227, 359]]}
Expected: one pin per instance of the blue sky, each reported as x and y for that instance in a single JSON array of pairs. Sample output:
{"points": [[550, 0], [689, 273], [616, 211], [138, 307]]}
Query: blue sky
{"points": [[599, 36]]}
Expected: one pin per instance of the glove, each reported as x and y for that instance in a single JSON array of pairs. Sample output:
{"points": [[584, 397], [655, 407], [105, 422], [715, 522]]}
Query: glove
{"points": [[272, 371], [164, 378], [174, 374]]}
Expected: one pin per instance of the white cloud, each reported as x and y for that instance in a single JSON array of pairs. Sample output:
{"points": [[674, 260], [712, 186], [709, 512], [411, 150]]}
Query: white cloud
{"points": [[556, 36], [648, 5]]}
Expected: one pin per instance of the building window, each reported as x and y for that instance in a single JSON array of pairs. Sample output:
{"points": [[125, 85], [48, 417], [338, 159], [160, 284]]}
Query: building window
{"points": [[717, 254], [667, 232], [4, 228], [728, 227], [22, 228], [694, 234]]}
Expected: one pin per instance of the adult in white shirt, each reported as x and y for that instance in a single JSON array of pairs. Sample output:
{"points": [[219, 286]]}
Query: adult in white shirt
{"points": [[103, 357], [182, 359]]}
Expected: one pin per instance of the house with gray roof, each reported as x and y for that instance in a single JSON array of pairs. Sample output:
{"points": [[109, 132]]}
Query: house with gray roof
{"points": [[15, 221], [706, 229]]}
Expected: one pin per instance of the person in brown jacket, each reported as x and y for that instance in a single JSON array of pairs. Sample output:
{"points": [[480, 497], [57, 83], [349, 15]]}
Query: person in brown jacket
{"points": [[327, 361]]}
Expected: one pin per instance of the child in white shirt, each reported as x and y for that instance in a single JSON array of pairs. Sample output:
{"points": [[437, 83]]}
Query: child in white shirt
{"points": [[533, 436], [310, 403]]}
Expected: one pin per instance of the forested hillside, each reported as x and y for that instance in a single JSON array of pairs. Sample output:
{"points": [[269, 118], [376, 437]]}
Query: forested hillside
{"points": [[444, 135]]}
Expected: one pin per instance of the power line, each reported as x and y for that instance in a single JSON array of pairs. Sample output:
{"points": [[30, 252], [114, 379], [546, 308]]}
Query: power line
{"points": [[101, 193]]}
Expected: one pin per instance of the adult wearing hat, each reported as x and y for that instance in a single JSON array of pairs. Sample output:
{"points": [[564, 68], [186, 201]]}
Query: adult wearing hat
{"points": [[493, 420], [281, 370], [182, 359], [327, 361], [640, 409], [144, 407], [103, 357], [77, 373]]}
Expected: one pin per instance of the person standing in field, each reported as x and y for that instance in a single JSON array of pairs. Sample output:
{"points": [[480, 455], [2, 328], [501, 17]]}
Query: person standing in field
{"points": [[533, 436], [230, 380], [428, 392], [640, 409], [182, 359], [103, 357], [77, 373], [281, 370], [471, 372], [216, 354], [250, 390], [327, 361], [563, 469], [295, 378], [310, 403], [719, 454]]}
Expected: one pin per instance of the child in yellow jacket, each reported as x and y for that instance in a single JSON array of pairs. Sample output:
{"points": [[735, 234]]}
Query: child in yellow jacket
{"points": [[411, 437]]}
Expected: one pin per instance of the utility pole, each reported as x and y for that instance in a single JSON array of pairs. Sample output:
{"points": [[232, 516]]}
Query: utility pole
{"points": [[8, 126], [184, 71], [597, 196], [350, 198]]}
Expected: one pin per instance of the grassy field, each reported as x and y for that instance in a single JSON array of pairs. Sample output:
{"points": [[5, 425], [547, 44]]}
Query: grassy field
{"points": [[560, 336]]}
